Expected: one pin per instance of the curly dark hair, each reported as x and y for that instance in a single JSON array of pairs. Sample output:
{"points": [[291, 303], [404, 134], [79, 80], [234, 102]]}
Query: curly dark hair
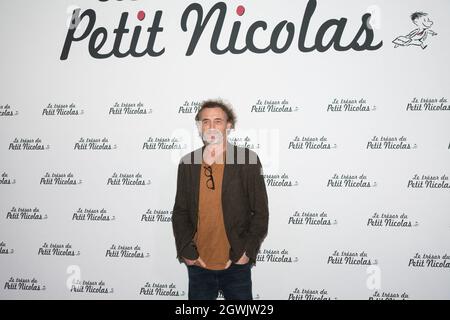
{"points": [[418, 14], [231, 116]]}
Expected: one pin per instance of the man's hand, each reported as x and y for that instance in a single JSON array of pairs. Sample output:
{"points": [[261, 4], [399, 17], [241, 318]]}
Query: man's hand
{"points": [[243, 260], [199, 262]]}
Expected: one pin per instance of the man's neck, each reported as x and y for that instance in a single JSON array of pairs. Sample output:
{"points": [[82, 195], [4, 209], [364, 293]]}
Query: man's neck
{"points": [[214, 153]]}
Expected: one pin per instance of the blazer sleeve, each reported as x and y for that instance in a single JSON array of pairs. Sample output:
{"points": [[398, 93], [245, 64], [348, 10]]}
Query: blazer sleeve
{"points": [[181, 223], [260, 210]]}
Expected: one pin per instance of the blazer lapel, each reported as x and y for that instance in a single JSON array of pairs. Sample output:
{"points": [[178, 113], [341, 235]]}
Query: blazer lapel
{"points": [[195, 171], [229, 169]]}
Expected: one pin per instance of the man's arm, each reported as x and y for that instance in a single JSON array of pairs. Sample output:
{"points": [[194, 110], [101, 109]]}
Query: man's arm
{"points": [[181, 223], [260, 210]]}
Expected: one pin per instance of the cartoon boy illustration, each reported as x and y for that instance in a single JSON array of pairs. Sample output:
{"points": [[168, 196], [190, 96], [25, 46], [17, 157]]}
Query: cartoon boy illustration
{"points": [[418, 36]]}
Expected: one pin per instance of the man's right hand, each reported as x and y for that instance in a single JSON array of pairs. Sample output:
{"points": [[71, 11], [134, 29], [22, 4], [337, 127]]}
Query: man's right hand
{"points": [[199, 262]]}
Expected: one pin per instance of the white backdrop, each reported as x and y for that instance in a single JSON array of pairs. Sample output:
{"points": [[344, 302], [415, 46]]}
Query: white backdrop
{"points": [[89, 149]]}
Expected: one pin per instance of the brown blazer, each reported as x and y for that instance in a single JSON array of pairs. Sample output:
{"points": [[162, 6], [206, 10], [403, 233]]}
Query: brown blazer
{"points": [[244, 203]]}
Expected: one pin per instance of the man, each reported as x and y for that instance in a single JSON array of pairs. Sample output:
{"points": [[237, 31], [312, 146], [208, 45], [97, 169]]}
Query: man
{"points": [[220, 215]]}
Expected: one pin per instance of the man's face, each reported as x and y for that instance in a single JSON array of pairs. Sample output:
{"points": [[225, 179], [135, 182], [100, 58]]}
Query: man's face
{"points": [[214, 125], [423, 22]]}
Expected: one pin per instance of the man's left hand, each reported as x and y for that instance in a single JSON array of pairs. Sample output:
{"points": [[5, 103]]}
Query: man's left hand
{"points": [[243, 260]]}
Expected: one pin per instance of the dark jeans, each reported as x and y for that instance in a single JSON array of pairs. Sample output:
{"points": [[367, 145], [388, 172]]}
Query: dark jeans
{"points": [[234, 282]]}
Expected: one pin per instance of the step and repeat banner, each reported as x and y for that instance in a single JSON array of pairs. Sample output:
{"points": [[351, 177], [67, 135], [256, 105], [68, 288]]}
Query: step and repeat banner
{"points": [[345, 102]]}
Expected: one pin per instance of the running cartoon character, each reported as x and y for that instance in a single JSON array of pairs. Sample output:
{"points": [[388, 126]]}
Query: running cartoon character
{"points": [[418, 36]]}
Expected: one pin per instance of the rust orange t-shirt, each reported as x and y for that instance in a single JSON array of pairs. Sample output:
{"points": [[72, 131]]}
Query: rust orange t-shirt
{"points": [[211, 238]]}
